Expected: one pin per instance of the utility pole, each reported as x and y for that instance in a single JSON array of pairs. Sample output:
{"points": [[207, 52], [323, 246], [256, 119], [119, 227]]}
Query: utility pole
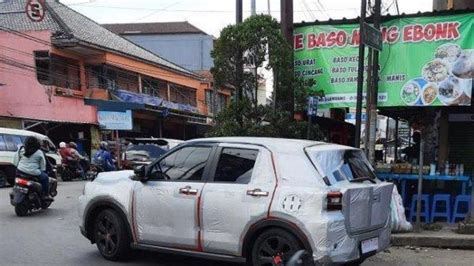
{"points": [[360, 76], [372, 106], [253, 7], [240, 65], [368, 100], [287, 31], [268, 7]]}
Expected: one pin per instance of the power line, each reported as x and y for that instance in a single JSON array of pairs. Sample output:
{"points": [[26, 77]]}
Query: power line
{"points": [[196, 11], [35, 39], [63, 77]]}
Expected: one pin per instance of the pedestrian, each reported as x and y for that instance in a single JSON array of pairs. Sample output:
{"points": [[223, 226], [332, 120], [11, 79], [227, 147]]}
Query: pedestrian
{"points": [[30, 160]]}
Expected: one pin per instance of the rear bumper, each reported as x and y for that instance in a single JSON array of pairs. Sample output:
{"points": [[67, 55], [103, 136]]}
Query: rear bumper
{"points": [[339, 247]]}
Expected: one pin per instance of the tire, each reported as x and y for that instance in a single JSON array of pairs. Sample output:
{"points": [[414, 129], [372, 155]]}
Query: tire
{"points": [[21, 210], [111, 236], [3, 179], [66, 175], [45, 205], [274, 246]]}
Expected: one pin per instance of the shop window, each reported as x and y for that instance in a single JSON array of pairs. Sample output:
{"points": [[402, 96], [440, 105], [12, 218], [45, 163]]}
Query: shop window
{"points": [[235, 165], [57, 71], [183, 95], [155, 87], [95, 77], [220, 104], [42, 67], [208, 100]]}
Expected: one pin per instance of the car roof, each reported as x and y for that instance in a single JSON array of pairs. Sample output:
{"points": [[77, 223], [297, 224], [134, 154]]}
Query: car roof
{"points": [[21, 132], [274, 144]]}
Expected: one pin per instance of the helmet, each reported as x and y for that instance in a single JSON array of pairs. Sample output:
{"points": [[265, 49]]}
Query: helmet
{"points": [[103, 145], [73, 145], [62, 144]]}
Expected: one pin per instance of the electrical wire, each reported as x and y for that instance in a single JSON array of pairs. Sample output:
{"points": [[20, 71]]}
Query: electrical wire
{"points": [[35, 39], [14, 62]]}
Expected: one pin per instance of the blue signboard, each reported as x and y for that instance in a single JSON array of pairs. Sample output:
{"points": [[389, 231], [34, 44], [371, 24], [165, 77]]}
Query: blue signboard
{"points": [[115, 120], [313, 105]]}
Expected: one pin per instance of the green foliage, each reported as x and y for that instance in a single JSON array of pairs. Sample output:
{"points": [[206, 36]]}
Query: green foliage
{"points": [[243, 119], [258, 39]]}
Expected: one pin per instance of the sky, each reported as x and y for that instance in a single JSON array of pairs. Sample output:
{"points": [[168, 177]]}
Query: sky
{"points": [[213, 15]]}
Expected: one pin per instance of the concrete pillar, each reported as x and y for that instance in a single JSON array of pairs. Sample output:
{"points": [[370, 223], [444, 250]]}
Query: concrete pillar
{"points": [[443, 138], [95, 139], [82, 75], [140, 85]]}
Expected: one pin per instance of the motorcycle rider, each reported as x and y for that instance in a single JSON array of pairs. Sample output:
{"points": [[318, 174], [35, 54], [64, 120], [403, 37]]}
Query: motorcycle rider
{"points": [[104, 158], [30, 161], [49, 166]]}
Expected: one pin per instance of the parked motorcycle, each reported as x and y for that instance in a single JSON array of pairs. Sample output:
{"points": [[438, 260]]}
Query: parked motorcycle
{"points": [[27, 194]]}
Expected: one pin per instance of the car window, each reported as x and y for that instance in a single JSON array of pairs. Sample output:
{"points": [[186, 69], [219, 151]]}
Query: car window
{"points": [[13, 142], [150, 151], [342, 164], [235, 165], [3, 145], [187, 163]]}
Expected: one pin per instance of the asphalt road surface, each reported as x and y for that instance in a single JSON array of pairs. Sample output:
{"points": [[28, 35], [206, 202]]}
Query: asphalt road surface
{"points": [[52, 237]]}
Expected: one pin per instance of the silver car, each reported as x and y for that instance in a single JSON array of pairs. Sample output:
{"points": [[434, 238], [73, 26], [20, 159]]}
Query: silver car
{"points": [[243, 199]]}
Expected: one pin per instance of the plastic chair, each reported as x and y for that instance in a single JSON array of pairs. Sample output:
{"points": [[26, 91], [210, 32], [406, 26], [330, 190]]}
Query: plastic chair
{"points": [[435, 212], [466, 199], [425, 213]]}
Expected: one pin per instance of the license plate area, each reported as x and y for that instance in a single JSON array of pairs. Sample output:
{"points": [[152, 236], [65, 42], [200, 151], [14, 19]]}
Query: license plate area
{"points": [[369, 245], [23, 190]]}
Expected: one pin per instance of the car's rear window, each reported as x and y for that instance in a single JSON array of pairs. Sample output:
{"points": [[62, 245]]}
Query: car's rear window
{"points": [[341, 164]]}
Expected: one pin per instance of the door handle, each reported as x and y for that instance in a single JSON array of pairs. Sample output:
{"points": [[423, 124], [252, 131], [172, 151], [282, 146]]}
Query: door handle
{"points": [[257, 193], [187, 190]]}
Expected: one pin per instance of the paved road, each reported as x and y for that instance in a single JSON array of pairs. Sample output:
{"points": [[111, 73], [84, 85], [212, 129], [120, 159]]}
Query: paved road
{"points": [[52, 237]]}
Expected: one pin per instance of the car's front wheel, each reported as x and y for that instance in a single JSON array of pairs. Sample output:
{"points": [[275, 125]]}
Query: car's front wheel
{"points": [[274, 247], [111, 235]]}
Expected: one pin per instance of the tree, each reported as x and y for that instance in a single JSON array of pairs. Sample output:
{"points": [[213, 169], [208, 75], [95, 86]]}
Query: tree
{"points": [[243, 119], [259, 40]]}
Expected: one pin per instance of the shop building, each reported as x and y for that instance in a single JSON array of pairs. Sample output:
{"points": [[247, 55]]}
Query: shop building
{"points": [[52, 69]]}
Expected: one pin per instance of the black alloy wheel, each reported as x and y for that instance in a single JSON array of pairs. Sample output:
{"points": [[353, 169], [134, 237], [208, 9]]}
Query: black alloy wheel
{"points": [[111, 236], [274, 247]]}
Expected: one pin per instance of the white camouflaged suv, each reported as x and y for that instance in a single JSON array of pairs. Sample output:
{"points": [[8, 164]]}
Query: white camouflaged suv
{"points": [[243, 199]]}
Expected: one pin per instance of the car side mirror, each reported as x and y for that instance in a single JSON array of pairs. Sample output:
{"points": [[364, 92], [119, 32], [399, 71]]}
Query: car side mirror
{"points": [[139, 173]]}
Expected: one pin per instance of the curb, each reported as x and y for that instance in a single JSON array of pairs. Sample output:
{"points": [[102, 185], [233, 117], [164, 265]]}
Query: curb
{"points": [[455, 242]]}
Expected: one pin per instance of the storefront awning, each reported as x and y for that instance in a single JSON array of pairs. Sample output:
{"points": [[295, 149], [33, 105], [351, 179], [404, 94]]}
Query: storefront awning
{"points": [[118, 106], [131, 97]]}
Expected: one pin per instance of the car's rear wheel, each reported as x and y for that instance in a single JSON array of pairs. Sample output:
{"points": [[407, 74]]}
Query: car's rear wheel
{"points": [[274, 247], [111, 235]]}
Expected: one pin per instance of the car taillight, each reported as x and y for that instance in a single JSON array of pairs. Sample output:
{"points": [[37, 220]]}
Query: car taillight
{"points": [[22, 182], [334, 201]]}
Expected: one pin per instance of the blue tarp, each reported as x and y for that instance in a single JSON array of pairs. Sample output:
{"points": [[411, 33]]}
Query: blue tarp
{"points": [[139, 98]]}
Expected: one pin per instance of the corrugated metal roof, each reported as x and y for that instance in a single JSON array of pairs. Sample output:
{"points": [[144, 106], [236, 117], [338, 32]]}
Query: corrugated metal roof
{"points": [[81, 27], [153, 28]]}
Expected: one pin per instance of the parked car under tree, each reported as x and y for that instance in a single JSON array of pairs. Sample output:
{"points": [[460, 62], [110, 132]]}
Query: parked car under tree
{"points": [[236, 198]]}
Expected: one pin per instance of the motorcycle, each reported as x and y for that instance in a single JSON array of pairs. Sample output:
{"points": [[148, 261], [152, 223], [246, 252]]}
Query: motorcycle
{"points": [[27, 194], [70, 170], [94, 170]]}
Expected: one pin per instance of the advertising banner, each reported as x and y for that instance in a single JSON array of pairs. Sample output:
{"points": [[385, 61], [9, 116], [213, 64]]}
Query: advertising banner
{"points": [[425, 61], [115, 120]]}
